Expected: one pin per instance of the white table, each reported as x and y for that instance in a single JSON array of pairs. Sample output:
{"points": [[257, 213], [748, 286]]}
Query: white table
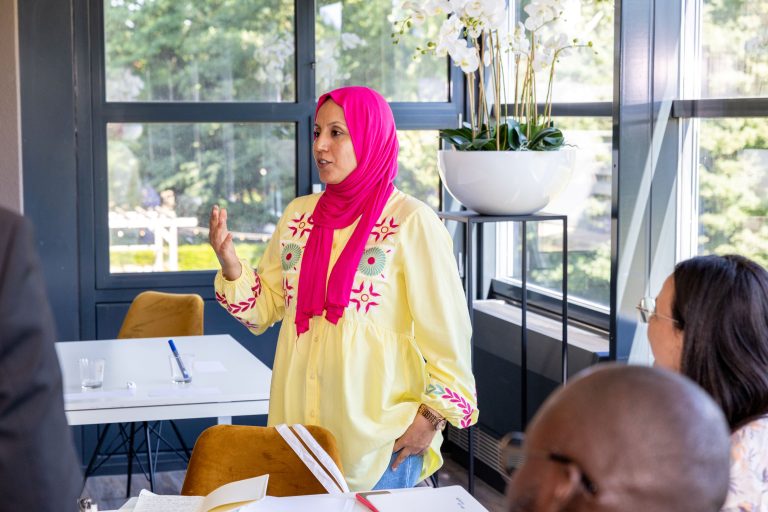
{"points": [[236, 383], [243, 389]]}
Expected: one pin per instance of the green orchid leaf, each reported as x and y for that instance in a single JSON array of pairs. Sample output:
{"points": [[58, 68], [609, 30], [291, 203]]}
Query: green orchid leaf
{"points": [[456, 138], [546, 139], [517, 138], [480, 144]]}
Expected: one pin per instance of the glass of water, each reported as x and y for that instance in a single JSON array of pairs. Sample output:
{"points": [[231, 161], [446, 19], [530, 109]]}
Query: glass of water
{"points": [[91, 372]]}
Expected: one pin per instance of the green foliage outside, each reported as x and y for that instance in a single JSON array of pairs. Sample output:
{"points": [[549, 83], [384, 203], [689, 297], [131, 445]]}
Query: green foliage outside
{"points": [[417, 165], [733, 177], [354, 47], [191, 257], [733, 155]]}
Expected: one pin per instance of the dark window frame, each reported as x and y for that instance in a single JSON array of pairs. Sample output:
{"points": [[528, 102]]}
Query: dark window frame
{"points": [[408, 116]]}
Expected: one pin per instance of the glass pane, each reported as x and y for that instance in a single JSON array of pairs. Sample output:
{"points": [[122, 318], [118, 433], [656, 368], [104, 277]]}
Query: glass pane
{"points": [[354, 47], [734, 49], [733, 188], [218, 50], [417, 166], [587, 202], [581, 74], [163, 180]]}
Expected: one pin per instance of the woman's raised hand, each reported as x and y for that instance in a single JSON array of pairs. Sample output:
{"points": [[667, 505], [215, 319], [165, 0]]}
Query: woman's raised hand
{"points": [[221, 240]]}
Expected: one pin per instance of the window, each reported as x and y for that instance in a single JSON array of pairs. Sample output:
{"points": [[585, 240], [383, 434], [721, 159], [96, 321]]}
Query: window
{"points": [[726, 124], [164, 179], [582, 74], [582, 94], [734, 49], [203, 103], [354, 47], [733, 187], [417, 165], [588, 206], [161, 50]]}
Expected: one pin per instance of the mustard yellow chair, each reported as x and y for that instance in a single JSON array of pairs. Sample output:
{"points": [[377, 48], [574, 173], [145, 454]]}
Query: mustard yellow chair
{"points": [[158, 314], [228, 453]]}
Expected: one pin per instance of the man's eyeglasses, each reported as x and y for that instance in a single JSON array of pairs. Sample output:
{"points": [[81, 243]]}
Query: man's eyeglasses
{"points": [[647, 309], [512, 457]]}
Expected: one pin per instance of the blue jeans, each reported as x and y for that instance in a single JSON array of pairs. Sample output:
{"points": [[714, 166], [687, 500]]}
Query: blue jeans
{"points": [[407, 474]]}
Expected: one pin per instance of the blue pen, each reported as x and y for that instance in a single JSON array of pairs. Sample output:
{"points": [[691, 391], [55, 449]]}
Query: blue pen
{"points": [[184, 372]]}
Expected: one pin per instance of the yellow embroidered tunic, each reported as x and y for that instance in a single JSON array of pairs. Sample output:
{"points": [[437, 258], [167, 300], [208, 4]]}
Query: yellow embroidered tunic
{"points": [[403, 340]]}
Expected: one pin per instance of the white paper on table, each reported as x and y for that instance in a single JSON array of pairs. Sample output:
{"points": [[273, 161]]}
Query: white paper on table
{"points": [[209, 367], [314, 503], [446, 499], [100, 394], [232, 494], [183, 391], [151, 502]]}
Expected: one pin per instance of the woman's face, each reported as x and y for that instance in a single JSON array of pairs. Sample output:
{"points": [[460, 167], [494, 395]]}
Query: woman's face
{"points": [[333, 150], [665, 338]]}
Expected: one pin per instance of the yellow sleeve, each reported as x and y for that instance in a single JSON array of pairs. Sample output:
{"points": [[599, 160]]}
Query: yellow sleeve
{"points": [[441, 322], [255, 298]]}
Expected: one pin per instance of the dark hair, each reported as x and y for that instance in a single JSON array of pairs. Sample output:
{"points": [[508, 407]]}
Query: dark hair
{"points": [[721, 303]]}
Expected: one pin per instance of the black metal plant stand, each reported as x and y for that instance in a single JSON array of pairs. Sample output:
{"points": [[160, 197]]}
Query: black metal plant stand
{"points": [[470, 219]]}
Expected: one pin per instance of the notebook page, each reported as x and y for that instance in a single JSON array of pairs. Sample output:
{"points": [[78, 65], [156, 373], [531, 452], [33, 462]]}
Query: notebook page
{"points": [[240, 492], [151, 502]]}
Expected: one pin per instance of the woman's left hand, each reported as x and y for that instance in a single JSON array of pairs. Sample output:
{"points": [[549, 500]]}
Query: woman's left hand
{"points": [[415, 441]]}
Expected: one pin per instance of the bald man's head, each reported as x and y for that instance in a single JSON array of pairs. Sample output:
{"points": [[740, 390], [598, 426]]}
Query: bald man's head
{"points": [[647, 439]]}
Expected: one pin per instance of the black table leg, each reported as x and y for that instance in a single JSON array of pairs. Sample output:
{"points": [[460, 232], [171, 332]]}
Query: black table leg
{"points": [[149, 458]]}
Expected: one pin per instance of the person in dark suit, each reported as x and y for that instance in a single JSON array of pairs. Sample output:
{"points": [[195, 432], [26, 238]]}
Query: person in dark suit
{"points": [[38, 466]]}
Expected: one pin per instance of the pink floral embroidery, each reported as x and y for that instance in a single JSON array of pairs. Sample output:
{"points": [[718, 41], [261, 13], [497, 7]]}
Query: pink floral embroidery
{"points": [[256, 288], [360, 297], [300, 226], [462, 404], [238, 307], [248, 324], [287, 292], [384, 229]]}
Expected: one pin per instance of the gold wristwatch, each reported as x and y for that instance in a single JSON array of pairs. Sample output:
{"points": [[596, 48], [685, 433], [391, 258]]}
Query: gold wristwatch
{"points": [[435, 419]]}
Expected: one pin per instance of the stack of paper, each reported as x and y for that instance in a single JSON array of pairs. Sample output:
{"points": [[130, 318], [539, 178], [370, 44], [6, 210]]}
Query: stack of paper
{"points": [[421, 499], [227, 497], [445, 499]]}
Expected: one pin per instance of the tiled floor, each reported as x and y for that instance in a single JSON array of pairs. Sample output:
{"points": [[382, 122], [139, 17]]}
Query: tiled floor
{"points": [[109, 491]]}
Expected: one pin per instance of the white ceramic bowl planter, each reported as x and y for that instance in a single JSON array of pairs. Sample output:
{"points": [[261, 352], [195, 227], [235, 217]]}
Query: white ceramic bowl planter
{"points": [[505, 182]]}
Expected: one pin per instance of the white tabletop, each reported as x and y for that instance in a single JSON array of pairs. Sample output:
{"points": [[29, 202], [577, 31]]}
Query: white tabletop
{"points": [[448, 498], [227, 381]]}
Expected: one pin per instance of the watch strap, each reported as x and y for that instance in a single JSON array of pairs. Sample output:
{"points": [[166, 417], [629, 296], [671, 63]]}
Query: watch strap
{"points": [[437, 421]]}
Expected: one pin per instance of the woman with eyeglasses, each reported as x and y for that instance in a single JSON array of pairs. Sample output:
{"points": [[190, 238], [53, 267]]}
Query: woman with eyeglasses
{"points": [[710, 322]]}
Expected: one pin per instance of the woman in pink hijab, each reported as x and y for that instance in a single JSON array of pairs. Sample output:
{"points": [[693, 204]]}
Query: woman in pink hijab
{"points": [[374, 341]]}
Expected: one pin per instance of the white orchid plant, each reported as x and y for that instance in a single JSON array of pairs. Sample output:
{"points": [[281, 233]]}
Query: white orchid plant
{"points": [[474, 33]]}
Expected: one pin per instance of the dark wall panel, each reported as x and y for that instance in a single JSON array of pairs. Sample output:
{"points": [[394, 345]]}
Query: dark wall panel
{"points": [[48, 149]]}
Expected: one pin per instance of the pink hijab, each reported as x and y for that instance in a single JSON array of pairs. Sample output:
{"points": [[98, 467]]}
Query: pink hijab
{"points": [[362, 194]]}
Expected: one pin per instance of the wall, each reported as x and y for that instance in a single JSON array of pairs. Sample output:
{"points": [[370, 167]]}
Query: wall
{"points": [[10, 163]]}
